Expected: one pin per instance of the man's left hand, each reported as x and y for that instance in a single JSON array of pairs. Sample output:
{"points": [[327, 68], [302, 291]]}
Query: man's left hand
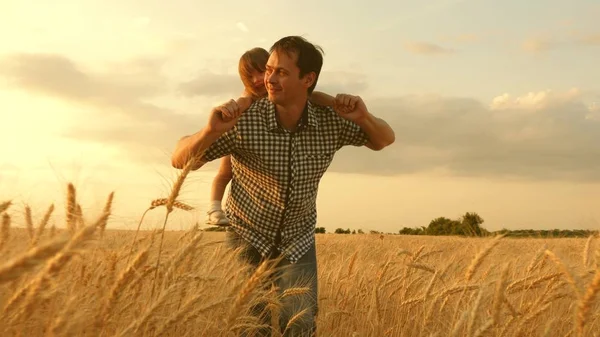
{"points": [[350, 107]]}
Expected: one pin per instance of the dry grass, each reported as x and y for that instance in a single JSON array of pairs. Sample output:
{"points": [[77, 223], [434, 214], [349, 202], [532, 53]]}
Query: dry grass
{"points": [[89, 280]]}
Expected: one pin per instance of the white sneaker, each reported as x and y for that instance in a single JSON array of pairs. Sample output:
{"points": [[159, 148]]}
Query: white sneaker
{"points": [[217, 218]]}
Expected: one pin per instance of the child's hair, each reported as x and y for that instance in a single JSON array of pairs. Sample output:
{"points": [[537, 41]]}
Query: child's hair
{"points": [[253, 59]]}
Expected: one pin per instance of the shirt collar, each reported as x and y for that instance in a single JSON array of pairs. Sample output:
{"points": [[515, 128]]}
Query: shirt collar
{"points": [[308, 119]]}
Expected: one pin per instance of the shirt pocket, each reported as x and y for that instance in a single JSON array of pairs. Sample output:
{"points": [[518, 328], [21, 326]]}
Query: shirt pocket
{"points": [[312, 166]]}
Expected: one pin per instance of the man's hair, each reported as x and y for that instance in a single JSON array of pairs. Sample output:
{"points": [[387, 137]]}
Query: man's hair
{"points": [[253, 59], [310, 56]]}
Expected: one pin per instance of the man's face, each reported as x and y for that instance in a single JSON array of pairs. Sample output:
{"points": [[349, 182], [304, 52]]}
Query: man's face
{"points": [[282, 78]]}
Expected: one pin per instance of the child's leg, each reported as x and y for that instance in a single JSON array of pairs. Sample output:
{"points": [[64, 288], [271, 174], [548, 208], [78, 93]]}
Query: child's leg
{"points": [[223, 177]]}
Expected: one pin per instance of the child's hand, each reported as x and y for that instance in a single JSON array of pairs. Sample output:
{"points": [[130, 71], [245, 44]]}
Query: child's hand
{"points": [[244, 103]]}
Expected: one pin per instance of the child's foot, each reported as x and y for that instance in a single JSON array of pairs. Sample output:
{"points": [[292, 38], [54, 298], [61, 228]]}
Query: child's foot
{"points": [[217, 218]]}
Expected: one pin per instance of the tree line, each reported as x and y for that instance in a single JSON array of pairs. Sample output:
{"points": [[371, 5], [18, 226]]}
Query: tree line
{"points": [[470, 225]]}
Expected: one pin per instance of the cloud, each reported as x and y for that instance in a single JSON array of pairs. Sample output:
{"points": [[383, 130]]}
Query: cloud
{"points": [[594, 113], [8, 167], [209, 84], [179, 44], [537, 135], [463, 38], [120, 95], [538, 45], [241, 26], [589, 39], [338, 82], [141, 22], [123, 89], [546, 43], [535, 100], [542, 135], [426, 48]]}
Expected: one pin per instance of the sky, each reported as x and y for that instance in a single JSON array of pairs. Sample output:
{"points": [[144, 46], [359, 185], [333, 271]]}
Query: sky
{"points": [[495, 106]]}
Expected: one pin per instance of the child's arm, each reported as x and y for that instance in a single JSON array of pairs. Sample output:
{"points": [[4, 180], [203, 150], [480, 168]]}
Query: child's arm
{"points": [[321, 98], [244, 101]]}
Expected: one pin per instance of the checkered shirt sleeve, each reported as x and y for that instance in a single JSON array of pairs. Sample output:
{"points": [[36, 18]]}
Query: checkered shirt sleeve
{"points": [[352, 134], [223, 146]]}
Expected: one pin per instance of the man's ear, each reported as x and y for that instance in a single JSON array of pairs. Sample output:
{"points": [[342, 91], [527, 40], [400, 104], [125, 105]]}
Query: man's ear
{"points": [[309, 79]]}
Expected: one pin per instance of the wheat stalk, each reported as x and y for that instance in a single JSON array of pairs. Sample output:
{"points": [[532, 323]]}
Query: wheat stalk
{"points": [[4, 230], [107, 210], [71, 210], [586, 302], [170, 202], [565, 272], [29, 223], [43, 223], [124, 278], [298, 316], [586, 250], [480, 256], [52, 267], [261, 273], [499, 296], [5, 205], [154, 204], [14, 268]]}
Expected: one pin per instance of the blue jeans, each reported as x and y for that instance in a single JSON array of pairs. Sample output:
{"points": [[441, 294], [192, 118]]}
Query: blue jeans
{"points": [[300, 274]]}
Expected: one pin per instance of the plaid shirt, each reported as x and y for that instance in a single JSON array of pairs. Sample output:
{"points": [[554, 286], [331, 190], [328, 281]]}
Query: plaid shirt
{"points": [[276, 174]]}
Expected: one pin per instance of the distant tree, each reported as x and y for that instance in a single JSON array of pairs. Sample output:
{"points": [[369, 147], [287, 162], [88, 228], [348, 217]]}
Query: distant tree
{"points": [[360, 231], [548, 233], [320, 230], [471, 223], [443, 226], [412, 231], [503, 231], [374, 232], [353, 231], [468, 225], [342, 231]]}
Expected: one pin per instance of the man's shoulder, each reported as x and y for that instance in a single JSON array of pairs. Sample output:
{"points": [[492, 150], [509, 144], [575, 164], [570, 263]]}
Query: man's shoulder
{"points": [[254, 115], [326, 114], [256, 110], [260, 105]]}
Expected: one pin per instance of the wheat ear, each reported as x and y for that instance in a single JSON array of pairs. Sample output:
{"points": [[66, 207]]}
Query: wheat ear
{"points": [[174, 194], [71, 208], [586, 302], [4, 230], [29, 260], [43, 224]]}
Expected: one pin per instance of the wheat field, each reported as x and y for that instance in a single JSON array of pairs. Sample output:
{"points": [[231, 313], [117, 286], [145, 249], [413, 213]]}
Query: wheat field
{"points": [[88, 280]]}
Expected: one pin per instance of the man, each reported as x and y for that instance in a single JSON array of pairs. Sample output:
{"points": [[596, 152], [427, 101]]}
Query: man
{"points": [[280, 148]]}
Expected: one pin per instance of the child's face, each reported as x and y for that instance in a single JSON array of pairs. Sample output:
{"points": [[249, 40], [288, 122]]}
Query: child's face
{"points": [[257, 78]]}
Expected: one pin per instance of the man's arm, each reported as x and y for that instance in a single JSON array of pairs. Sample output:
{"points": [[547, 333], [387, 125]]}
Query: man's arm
{"points": [[363, 124], [379, 132], [193, 147], [215, 140], [321, 98]]}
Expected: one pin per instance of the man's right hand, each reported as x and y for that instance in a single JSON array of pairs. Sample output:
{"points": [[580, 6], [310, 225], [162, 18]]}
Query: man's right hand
{"points": [[223, 117]]}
